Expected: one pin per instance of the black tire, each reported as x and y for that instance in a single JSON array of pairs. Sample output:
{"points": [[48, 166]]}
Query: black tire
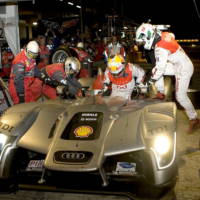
{"points": [[153, 192], [8, 185], [60, 55]]}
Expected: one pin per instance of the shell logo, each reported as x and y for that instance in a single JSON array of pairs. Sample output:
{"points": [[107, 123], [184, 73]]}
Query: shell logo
{"points": [[83, 131]]}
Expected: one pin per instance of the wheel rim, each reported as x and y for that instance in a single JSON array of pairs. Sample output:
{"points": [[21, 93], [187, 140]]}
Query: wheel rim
{"points": [[59, 56]]}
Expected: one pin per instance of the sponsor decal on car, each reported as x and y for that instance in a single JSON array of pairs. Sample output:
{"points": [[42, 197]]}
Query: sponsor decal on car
{"points": [[89, 116], [125, 168], [35, 165], [5, 127], [83, 131]]}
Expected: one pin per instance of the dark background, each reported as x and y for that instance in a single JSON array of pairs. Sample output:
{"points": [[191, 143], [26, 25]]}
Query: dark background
{"points": [[180, 14]]}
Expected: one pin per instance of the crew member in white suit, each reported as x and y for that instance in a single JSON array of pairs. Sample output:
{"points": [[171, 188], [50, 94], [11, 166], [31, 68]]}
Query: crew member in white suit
{"points": [[170, 60]]}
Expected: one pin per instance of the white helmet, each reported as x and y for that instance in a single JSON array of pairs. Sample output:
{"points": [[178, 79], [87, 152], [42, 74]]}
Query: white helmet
{"points": [[80, 45], [72, 65], [116, 65], [32, 49], [145, 35]]}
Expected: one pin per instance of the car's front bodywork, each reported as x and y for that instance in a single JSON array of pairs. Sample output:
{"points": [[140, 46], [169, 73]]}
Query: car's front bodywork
{"points": [[113, 140]]}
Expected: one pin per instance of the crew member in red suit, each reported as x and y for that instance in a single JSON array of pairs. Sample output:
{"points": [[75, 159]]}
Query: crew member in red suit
{"points": [[7, 58], [44, 52], [23, 74], [61, 74], [83, 57]]}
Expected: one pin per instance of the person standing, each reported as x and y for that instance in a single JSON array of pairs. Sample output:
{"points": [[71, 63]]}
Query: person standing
{"points": [[44, 52], [170, 60], [114, 48], [23, 74], [7, 58]]}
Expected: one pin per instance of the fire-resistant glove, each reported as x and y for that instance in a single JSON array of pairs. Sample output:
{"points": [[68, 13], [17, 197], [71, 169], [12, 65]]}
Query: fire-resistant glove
{"points": [[151, 81], [143, 88]]}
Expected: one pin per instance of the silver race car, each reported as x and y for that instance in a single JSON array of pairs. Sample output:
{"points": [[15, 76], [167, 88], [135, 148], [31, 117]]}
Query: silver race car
{"points": [[98, 141]]}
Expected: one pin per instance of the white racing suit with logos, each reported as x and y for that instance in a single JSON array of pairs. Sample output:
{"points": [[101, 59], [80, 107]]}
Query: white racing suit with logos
{"points": [[172, 60], [123, 86]]}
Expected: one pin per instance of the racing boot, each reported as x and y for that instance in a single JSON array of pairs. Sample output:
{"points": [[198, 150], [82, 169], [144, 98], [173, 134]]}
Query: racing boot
{"points": [[193, 125], [159, 96]]}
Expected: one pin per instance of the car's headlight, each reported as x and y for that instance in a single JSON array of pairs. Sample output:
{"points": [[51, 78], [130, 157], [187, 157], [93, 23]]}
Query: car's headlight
{"points": [[164, 149], [162, 144]]}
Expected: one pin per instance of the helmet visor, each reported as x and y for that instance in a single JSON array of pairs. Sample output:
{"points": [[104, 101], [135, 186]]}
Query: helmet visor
{"points": [[118, 73], [116, 69], [140, 40], [113, 68], [31, 55]]}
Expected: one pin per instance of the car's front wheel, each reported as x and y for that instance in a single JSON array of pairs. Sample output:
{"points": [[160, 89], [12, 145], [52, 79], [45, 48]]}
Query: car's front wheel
{"points": [[8, 186], [154, 192], [60, 55]]}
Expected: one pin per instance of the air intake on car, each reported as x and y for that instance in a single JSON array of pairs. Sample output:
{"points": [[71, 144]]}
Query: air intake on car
{"points": [[170, 111]]}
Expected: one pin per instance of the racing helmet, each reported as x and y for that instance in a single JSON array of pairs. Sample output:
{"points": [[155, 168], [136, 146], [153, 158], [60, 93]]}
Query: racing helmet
{"points": [[72, 65], [32, 49], [116, 65], [145, 35], [80, 45]]}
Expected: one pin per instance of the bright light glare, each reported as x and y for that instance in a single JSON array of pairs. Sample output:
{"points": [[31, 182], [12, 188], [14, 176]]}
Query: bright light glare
{"points": [[78, 6], [70, 3], [35, 23], [3, 139], [162, 144]]}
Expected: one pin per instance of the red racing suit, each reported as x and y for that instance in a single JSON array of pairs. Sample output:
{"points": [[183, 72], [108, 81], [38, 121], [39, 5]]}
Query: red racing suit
{"points": [[44, 56], [21, 78], [172, 60], [123, 86], [56, 74], [82, 57], [7, 58]]}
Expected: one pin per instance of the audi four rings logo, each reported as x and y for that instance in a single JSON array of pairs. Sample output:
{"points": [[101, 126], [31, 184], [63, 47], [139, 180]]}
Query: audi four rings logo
{"points": [[73, 156]]}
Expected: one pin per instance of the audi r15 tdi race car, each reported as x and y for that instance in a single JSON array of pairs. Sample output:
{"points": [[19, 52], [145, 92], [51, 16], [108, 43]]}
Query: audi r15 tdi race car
{"points": [[92, 141]]}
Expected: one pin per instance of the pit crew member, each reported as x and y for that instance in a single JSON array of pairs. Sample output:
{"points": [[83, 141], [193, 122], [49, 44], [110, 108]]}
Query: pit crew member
{"points": [[170, 60], [123, 77]]}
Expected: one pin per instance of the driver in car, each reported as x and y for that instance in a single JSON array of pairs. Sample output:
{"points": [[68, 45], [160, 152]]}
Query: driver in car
{"points": [[123, 76]]}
